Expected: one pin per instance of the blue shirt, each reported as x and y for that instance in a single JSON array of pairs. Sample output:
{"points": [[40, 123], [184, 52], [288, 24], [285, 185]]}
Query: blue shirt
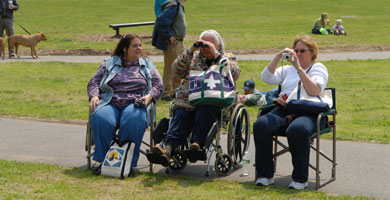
{"points": [[157, 6]]}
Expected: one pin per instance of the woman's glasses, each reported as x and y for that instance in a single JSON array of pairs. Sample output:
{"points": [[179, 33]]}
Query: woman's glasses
{"points": [[300, 50]]}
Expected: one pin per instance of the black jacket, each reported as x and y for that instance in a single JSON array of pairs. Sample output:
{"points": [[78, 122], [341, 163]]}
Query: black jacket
{"points": [[5, 11]]}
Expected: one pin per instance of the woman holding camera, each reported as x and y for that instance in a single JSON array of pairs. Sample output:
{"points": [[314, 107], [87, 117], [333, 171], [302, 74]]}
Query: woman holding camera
{"points": [[119, 94], [208, 50], [314, 77]]}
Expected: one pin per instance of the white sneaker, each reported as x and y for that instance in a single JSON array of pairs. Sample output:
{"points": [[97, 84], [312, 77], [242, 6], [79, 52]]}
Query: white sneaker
{"points": [[265, 181], [297, 185]]}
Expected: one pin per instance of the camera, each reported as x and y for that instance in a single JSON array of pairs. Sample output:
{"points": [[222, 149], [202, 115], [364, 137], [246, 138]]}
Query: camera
{"points": [[139, 103], [200, 44], [286, 56]]}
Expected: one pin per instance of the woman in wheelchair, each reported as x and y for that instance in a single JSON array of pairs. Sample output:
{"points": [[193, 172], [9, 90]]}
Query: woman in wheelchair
{"points": [[120, 81], [314, 77], [207, 51]]}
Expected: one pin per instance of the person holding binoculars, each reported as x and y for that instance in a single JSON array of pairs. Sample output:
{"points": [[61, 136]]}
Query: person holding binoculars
{"points": [[208, 50]]}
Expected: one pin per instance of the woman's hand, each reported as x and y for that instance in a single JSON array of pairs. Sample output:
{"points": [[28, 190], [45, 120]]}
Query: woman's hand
{"points": [[281, 100], [294, 59], [147, 99], [295, 62], [173, 40], [93, 103]]}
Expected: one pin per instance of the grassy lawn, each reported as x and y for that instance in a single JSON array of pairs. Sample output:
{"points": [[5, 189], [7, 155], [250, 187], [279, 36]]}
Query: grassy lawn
{"points": [[23, 180], [247, 24], [55, 90]]}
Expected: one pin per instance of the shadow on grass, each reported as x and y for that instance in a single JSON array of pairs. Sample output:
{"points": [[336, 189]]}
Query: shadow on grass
{"points": [[185, 180]]}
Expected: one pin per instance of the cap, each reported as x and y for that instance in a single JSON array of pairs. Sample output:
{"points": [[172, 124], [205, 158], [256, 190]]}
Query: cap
{"points": [[249, 84]]}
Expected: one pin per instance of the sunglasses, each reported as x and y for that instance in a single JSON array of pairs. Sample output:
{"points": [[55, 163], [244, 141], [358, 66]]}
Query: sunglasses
{"points": [[300, 50]]}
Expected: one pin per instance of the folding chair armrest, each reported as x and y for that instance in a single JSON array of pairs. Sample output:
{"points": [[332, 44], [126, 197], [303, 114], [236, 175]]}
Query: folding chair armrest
{"points": [[329, 112], [265, 109]]}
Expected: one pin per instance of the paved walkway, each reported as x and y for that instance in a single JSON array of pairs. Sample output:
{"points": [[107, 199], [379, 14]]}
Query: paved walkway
{"points": [[321, 57], [363, 168]]}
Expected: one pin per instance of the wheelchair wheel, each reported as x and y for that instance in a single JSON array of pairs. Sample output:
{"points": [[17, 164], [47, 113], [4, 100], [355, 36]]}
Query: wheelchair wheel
{"points": [[238, 135], [223, 164], [178, 161]]}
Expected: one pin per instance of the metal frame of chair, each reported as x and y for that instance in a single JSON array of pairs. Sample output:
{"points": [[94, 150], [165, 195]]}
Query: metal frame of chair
{"points": [[331, 127]]}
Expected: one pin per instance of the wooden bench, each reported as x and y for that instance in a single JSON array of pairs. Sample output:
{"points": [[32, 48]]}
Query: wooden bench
{"points": [[116, 27]]}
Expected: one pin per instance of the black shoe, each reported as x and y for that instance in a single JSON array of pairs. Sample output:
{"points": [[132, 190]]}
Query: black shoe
{"points": [[158, 150], [194, 146], [98, 170], [132, 172]]}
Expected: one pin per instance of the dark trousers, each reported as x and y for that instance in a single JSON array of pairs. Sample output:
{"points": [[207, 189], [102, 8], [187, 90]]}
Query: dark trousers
{"points": [[298, 136], [199, 121]]}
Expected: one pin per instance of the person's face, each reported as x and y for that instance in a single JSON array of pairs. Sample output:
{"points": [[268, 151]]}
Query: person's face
{"points": [[206, 51], [135, 50], [248, 91], [304, 54]]}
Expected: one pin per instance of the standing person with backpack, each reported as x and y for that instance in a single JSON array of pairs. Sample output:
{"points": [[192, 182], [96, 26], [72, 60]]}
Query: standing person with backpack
{"points": [[168, 35], [7, 8], [157, 6]]}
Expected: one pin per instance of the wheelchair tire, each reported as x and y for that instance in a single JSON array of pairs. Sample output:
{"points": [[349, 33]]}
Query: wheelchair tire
{"points": [[238, 134], [178, 161], [223, 164]]}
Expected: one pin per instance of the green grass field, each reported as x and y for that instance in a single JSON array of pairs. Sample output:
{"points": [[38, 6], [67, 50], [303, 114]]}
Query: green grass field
{"points": [[55, 90], [248, 25], [41, 181]]}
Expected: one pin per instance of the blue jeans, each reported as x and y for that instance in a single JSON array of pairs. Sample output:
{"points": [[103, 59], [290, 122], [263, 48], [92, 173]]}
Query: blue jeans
{"points": [[105, 122], [199, 121], [298, 136]]}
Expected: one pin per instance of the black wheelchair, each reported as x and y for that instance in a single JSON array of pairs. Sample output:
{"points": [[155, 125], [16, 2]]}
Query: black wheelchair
{"points": [[233, 122]]}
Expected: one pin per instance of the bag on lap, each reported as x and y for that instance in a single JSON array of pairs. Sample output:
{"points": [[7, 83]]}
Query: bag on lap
{"points": [[117, 162], [215, 86], [299, 102]]}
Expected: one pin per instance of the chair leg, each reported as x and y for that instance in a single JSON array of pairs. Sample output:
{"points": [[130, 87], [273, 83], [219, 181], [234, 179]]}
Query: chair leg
{"points": [[275, 151]]}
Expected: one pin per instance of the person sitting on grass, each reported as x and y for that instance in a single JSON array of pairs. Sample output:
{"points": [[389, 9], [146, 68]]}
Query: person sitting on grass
{"points": [[319, 26], [253, 97], [338, 29]]}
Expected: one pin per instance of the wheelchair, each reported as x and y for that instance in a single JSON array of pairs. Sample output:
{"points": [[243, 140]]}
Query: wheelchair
{"points": [[233, 122], [89, 144], [330, 127]]}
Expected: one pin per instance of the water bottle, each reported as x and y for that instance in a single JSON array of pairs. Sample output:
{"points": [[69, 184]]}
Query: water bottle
{"points": [[245, 164]]}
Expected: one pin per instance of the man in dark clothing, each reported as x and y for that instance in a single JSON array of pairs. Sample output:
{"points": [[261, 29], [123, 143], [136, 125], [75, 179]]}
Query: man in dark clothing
{"points": [[7, 8], [168, 34]]}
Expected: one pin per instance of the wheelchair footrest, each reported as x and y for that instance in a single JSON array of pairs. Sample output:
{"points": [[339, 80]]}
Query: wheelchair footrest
{"points": [[196, 155], [157, 159]]}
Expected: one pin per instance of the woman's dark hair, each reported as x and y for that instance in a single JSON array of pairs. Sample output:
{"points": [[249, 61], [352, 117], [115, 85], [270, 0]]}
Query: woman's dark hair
{"points": [[123, 45]]}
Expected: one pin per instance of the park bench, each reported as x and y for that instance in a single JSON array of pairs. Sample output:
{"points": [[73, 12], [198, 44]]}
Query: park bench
{"points": [[116, 27]]}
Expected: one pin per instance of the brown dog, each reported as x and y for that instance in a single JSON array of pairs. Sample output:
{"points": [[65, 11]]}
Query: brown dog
{"points": [[2, 47], [25, 40]]}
